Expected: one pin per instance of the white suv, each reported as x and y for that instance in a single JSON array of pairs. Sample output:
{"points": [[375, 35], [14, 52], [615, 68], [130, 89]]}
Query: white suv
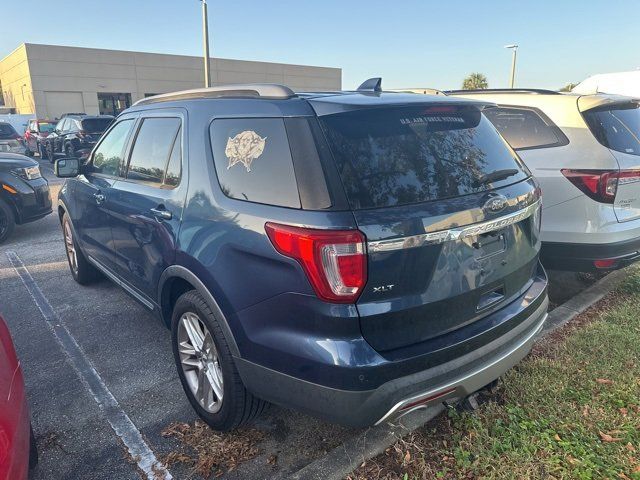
{"points": [[585, 151]]}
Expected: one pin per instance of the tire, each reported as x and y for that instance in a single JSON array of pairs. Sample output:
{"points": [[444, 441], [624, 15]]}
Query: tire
{"points": [[82, 271], [7, 220], [50, 155], [237, 405], [42, 151], [69, 151], [33, 449]]}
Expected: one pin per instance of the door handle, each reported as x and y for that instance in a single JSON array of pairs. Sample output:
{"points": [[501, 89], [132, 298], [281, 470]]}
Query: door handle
{"points": [[161, 213], [99, 197]]}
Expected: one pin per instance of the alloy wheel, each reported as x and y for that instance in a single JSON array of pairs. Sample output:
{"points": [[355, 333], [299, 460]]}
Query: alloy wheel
{"points": [[200, 362], [71, 248]]}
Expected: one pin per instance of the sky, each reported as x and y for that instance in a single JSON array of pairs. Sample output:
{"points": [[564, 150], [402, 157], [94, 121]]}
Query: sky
{"points": [[409, 43]]}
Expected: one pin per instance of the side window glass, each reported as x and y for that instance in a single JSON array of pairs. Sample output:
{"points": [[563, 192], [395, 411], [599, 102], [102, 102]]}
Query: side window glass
{"points": [[523, 128], [253, 161], [62, 124], [174, 167], [151, 150], [108, 154]]}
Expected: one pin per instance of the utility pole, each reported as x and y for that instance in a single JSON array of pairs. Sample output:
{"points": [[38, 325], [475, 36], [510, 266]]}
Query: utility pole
{"points": [[205, 41], [514, 49]]}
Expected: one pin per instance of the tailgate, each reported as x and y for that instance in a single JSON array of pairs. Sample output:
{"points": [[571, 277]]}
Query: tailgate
{"points": [[449, 213], [616, 125]]}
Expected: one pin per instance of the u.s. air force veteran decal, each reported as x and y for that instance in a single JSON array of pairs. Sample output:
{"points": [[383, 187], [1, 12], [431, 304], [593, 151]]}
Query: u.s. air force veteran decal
{"points": [[244, 148]]}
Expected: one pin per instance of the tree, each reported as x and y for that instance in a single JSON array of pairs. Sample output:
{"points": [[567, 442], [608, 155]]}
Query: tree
{"points": [[568, 87], [475, 81]]}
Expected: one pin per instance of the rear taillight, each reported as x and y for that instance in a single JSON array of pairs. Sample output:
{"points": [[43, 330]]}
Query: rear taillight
{"points": [[334, 260], [601, 185]]}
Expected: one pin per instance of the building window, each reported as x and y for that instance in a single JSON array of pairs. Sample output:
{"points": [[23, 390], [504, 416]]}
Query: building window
{"points": [[113, 103]]}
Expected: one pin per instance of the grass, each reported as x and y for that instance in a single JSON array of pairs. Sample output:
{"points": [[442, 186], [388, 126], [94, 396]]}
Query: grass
{"points": [[571, 410]]}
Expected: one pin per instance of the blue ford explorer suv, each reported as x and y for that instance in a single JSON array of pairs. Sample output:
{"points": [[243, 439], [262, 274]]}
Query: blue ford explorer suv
{"points": [[354, 255]]}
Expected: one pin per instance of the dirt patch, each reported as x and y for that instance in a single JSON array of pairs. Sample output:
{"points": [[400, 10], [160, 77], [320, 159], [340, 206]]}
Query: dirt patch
{"points": [[209, 453]]}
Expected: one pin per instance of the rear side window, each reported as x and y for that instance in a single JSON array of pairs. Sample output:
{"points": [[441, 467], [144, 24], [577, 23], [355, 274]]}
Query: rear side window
{"points": [[7, 131], [96, 125], [399, 156], [616, 128], [108, 155], [151, 150], [525, 128], [253, 161]]}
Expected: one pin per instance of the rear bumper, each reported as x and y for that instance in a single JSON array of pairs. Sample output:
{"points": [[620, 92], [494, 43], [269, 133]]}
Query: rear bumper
{"points": [[456, 378], [580, 257]]}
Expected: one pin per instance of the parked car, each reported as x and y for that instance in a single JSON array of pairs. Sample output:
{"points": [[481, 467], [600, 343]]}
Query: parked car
{"points": [[36, 131], [10, 140], [354, 255], [75, 135], [17, 120], [585, 151], [24, 193], [17, 444]]}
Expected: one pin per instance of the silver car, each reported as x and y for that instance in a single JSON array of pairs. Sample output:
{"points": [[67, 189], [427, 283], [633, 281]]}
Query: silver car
{"points": [[10, 140], [585, 151]]}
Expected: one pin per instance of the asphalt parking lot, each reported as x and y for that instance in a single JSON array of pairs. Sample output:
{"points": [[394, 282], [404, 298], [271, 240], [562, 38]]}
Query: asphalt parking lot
{"points": [[130, 354]]}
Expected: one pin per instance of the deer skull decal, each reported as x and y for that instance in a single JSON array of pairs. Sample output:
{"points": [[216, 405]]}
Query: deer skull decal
{"points": [[244, 148]]}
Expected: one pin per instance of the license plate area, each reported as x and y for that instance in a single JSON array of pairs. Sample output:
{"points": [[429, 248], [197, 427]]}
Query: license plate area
{"points": [[490, 244]]}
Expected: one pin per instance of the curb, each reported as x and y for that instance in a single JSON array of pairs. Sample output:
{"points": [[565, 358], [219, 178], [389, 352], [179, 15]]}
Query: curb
{"points": [[563, 314], [343, 460]]}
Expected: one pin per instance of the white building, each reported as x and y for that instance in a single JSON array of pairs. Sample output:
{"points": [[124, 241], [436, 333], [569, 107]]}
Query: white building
{"points": [[49, 80]]}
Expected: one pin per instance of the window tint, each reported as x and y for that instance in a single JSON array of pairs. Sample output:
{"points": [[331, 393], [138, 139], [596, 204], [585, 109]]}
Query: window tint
{"points": [[45, 127], [174, 167], [524, 128], [151, 149], [253, 161], [398, 156], [108, 154], [7, 131], [617, 129], [96, 125]]}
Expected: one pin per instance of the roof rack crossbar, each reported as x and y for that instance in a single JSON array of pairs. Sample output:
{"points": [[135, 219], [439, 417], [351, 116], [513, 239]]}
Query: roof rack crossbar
{"points": [[506, 90], [248, 90]]}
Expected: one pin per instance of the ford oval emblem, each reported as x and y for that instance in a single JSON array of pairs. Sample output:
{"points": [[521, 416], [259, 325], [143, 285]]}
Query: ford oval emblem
{"points": [[495, 204]]}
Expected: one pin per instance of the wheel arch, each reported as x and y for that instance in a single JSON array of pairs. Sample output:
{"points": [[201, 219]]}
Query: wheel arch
{"points": [[175, 281]]}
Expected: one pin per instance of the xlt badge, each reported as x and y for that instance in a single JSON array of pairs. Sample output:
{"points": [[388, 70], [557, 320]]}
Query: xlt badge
{"points": [[383, 288]]}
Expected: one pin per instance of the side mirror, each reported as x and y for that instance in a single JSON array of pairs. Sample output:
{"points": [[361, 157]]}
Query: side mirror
{"points": [[67, 167]]}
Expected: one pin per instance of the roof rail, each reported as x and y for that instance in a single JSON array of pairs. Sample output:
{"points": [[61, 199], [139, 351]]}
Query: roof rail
{"points": [[248, 90], [538, 91]]}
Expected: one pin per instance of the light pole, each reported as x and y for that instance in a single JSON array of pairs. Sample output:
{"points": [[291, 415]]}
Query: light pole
{"points": [[514, 49], [205, 41]]}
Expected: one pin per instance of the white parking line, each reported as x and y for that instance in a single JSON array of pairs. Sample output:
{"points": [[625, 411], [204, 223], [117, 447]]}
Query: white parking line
{"points": [[120, 422]]}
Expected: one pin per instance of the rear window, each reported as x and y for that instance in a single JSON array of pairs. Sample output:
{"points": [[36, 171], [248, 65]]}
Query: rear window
{"points": [[7, 131], [616, 128], [96, 125], [525, 128], [399, 156], [45, 127], [253, 161]]}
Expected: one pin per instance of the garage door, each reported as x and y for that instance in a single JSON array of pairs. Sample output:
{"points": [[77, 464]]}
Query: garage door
{"points": [[58, 103]]}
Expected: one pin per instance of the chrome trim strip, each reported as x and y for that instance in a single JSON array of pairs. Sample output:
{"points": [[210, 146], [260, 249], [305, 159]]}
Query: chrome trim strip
{"points": [[115, 279], [435, 238], [395, 412]]}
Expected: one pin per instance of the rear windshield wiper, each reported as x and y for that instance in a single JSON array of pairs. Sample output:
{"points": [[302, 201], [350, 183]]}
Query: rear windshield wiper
{"points": [[495, 176]]}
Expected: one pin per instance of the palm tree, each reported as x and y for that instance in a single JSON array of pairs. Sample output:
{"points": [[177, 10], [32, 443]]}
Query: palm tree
{"points": [[568, 87], [475, 81]]}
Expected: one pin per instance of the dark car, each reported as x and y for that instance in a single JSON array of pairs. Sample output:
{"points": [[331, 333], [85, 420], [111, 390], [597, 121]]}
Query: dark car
{"points": [[36, 131], [75, 135], [10, 140], [354, 255], [17, 445], [24, 193]]}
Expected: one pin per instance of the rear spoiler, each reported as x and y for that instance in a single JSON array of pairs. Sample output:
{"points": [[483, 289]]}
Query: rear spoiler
{"points": [[591, 102]]}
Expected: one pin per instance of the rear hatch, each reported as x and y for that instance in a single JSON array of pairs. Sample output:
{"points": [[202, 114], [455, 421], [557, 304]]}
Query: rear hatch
{"points": [[95, 127], [616, 125], [449, 212]]}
